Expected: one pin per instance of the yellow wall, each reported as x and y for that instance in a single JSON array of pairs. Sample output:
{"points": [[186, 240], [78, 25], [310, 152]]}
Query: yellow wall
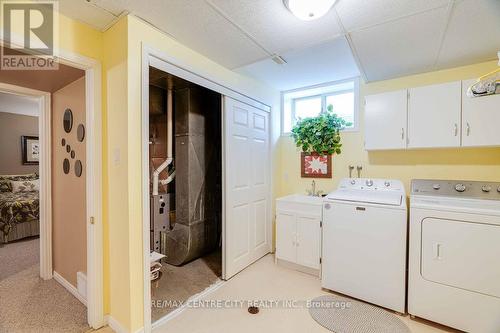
{"points": [[80, 38], [471, 163], [117, 259]]}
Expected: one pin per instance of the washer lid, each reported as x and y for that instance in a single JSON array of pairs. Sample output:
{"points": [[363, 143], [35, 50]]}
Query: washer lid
{"points": [[373, 197]]}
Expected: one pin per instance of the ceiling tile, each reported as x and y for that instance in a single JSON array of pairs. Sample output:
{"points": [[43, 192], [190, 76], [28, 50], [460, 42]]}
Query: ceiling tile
{"points": [[321, 63], [401, 47], [473, 34], [87, 13], [274, 27], [357, 14], [198, 26]]}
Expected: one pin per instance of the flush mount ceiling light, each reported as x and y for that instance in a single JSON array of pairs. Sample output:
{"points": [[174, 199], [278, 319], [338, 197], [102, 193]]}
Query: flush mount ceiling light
{"points": [[308, 10]]}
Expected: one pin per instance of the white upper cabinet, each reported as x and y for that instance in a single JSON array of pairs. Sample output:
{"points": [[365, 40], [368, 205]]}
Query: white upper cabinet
{"points": [[434, 116], [385, 120], [480, 119]]}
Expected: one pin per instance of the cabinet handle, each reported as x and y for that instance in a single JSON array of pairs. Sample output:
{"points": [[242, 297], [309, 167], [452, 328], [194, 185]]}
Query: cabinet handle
{"points": [[456, 129], [402, 133], [468, 129]]}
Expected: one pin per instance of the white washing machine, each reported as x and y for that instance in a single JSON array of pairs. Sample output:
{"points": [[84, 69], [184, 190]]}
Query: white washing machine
{"points": [[364, 241], [454, 254]]}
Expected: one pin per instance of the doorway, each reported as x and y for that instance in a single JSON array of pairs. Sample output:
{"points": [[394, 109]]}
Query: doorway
{"points": [[46, 87]]}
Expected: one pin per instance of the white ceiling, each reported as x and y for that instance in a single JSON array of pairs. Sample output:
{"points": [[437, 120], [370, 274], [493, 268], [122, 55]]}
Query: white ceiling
{"points": [[388, 38], [326, 62], [16, 104]]}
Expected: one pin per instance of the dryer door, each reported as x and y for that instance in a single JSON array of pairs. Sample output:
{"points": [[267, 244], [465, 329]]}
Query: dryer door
{"points": [[461, 254]]}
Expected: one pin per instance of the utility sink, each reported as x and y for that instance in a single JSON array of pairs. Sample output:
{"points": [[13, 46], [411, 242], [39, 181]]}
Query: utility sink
{"points": [[300, 203], [303, 198]]}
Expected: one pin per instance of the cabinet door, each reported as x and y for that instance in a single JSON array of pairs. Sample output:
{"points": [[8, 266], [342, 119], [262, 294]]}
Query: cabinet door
{"points": [[434, 116], [480, 119], [285, 237], [385, 120], [308, 241]]}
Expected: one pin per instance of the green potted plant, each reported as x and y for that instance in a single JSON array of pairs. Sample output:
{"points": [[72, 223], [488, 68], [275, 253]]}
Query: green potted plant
{"points": [[319, 138]]}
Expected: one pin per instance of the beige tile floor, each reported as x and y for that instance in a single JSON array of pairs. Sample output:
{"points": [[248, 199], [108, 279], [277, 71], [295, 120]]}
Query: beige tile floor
{"points": [[265, 280]]}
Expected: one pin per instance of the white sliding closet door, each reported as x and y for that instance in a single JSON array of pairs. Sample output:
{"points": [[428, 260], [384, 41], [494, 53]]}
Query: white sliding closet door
{"points": [[247, 186]]}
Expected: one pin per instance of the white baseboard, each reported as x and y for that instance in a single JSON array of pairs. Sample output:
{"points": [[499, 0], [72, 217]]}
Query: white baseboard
{"points": [[69, 287], [116, 326], [81, 284]]}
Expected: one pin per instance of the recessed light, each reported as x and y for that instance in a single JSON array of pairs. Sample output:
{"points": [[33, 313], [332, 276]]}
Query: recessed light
{"points": [[308, 10]]}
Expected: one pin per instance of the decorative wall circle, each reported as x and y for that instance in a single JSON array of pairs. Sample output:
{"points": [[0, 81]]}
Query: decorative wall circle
{"points": [[66, 166], [68, 148], [80, 132], [72, 154], [68, 120], [78, 168], [63, 142]]}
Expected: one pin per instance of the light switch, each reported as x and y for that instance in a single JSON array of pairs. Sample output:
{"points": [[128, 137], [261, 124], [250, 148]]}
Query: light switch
{"points": [[116, 156]]}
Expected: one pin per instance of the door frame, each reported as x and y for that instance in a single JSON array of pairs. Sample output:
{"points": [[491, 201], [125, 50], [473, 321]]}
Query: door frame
{"points": [[93, 170], [172, 65]]}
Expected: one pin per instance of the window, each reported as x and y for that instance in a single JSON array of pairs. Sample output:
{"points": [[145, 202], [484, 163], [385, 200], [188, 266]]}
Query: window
{"points": [[309, 102]]}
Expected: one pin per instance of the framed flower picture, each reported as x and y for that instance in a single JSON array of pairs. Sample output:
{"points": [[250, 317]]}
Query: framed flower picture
{"points": [[314, 165], [30, 149]]}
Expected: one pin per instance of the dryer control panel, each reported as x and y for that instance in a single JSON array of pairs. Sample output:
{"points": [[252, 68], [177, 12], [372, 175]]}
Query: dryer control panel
{"points": [[456, 188]]}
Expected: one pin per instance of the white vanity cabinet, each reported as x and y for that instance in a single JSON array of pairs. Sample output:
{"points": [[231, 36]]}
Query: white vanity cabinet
{"points": [[480, 119], [434, 115], [298, 232]]}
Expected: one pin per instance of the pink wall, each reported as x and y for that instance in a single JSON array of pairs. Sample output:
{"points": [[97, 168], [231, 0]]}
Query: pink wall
{"points": [[69, 235]]}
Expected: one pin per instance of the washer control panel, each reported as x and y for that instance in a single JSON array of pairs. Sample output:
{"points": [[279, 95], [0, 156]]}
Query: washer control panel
{"points": [[456, 188], [371, 184]]}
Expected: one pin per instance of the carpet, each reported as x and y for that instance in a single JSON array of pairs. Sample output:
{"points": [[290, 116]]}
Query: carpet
{"points": [[29, 304], [18, 256], [344, 315]]}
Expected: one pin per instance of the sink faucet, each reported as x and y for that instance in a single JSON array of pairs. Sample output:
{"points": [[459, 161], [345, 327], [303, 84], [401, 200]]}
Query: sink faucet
{"points": [[312, 191]]}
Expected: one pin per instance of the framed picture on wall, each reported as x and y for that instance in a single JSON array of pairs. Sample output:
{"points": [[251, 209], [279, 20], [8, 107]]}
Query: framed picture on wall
{"points": [[30, 147], [314, 165]]}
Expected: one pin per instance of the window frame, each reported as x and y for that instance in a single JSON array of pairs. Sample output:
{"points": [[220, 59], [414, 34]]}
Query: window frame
{"points": [[323, 96]]}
